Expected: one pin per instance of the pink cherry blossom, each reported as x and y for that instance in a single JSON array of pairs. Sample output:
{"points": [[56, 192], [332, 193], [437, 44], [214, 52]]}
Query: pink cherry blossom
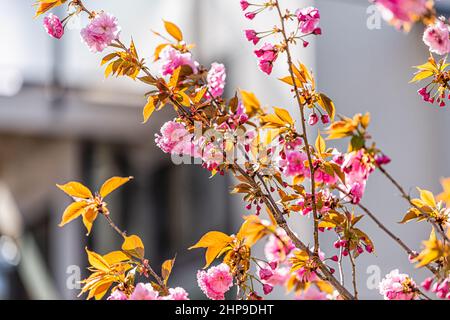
{"points": [[279, 277], [267, 55], [401, 13], [442, 289], [436, 37], [357, 167], [144, 292], [177, 293], [398, 286], [276, 250], [309, 19], [117, 295], [294, 164], [312, 293], [313, 119], [175, 139], [172, 58], [215, 282], [216, 79], [101, 32], [53, 26]]}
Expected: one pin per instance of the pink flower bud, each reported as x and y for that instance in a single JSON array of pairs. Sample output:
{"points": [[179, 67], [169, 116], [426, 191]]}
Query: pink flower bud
{"points": [[332, 271], [426, 284], [335, 258], [244, 5], [267, 288], [313, 119], [273, 265], [250, 15], [325, 119], [265, 274], [337, 244], [369, 248], [360, 250], [345, 253]]}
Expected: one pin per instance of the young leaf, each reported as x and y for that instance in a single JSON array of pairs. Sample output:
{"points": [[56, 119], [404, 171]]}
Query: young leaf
{"points": [[214, 242], [112, 184], [115, 257], [251, 103], [97, 261], [320, 144], [158, 51], [88, 218], [149, 108], [427, 197], [73, 211], [173, 30], [284, 115], [327, 105], [134, 246], [166, 269], [76, 190]]}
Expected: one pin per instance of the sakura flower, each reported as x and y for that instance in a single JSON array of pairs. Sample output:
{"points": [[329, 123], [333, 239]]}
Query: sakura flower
{"points": [[294, 164], [442, 289], [216, 79], [215, 282], [175, 139], [267, 55], [426, 284], [357, 167], [401, 13], [117, 295], [279, 277], [278, 247], [172, 58], [309, 19], [101, 32], [177, 293], [53, 26], [436, 37], [144, 292], [398, 286], [312, 293]]}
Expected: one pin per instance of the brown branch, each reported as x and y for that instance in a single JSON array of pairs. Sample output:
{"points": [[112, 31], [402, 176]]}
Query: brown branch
{"points": [[355, 287], [408, 198], [303, 122], [372, 216], [281, 221]]}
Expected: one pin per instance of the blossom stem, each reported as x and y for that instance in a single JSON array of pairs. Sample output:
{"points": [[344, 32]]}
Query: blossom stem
{"points": [[304, 135], [355, 287]]}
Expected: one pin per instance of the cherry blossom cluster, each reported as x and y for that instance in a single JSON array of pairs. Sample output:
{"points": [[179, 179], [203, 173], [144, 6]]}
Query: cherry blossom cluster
{"points": [[307, 23]]}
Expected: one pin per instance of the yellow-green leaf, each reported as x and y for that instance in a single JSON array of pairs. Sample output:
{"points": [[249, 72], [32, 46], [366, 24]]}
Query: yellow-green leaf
{"points": [[284, 115], [427, 197], [166, 269], [327, 105]]}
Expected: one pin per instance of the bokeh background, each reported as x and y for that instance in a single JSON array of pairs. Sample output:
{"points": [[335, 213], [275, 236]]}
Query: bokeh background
{"points": [[60, 120]]}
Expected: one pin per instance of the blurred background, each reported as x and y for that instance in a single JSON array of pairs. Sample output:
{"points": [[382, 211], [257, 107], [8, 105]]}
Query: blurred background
{"points": [[60, 120]]}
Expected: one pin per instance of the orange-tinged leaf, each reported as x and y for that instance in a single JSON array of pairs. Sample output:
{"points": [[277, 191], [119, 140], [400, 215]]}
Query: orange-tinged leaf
{"points": [[97, 261], [173, 30], [327, 105], [166, 269], [320, 144], [158, 50], [112, 184], [284, 115], [173, 82], [115, 257], [214, 241], [76, 190], [291, 81], [73, 211], [89, 217], [251, 103], [45, 5], [108, 58], [149, 108], [134, 246], [252, 230], [102, 289]]}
